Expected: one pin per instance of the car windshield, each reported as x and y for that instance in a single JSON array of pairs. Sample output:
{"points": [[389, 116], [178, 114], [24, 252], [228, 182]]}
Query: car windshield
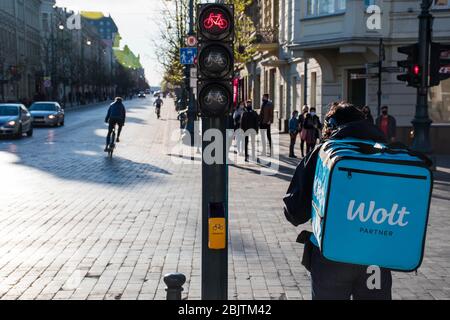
{"points": [[9, 111], [43, 107]]}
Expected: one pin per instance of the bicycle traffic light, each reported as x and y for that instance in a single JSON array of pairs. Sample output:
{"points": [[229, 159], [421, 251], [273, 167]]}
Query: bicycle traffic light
{"points": [[439, 63], [215, 59], [411, 64]]}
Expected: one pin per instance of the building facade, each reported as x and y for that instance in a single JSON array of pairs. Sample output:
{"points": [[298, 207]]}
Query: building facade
{"points": [[77, 64], [323, 50], [20, 53]]}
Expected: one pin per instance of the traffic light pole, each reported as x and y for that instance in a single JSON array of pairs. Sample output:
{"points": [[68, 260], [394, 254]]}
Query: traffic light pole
{"points": [[214, 190], [422, 121]]}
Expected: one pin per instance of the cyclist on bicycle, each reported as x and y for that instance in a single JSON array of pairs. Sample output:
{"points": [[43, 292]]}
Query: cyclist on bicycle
{"points": [[158, 103], [115, 116]]}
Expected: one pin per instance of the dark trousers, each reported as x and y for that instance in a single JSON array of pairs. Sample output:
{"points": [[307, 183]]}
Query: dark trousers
{"points": [[340, 281], [292, 145], [302, 147], [253, 138], [112, 125], [309, 147]]}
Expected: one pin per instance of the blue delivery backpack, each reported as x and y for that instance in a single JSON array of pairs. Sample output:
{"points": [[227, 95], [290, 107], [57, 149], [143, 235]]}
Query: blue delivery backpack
{"points": [[370, 204]]}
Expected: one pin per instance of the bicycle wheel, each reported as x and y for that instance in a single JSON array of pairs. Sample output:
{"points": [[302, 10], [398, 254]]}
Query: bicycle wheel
{"points": [[112, 144]]}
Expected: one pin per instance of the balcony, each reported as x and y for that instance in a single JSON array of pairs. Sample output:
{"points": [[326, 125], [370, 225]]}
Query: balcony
{"points": [[266, 39]]}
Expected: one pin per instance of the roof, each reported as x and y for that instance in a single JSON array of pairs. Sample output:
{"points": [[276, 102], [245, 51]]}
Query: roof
{"points": [[42, 102], [10, 104]]}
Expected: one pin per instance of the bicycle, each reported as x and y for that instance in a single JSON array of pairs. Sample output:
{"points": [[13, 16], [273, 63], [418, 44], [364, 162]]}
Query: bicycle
{"points": [[112, 143]]}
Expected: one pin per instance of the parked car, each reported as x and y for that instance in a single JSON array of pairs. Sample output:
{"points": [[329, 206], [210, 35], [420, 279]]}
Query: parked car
{"points": [[47, 113], [141, 94], [15, 120]]}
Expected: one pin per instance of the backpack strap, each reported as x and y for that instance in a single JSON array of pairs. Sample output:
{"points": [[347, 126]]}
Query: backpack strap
{"points": [[391, 148], [395, 146]]}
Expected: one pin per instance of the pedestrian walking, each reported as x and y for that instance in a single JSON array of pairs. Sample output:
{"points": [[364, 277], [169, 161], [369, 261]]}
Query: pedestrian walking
{"points": [[249, 126], [237, 117], [266, 120], [387, 124], [293, 132], [301, 119], [368, 114], [333, 280], [310, 129]]}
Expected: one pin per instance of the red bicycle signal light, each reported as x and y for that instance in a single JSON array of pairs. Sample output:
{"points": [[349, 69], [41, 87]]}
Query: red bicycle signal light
{"points": [[215, 22], [416, 69]]}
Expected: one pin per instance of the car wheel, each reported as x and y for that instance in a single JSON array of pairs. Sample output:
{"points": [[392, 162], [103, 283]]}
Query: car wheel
{"points": [[30, 132]]}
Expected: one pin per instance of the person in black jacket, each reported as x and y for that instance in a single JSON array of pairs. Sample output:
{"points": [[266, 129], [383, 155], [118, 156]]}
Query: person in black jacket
{"points": [[387, 124], [310, 129], [368, 114], [249, 126], [332, 280], [116, 116]]}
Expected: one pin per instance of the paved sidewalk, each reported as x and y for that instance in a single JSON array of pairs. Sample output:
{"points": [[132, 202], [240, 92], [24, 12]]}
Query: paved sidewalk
{"points": [[76, 225]]}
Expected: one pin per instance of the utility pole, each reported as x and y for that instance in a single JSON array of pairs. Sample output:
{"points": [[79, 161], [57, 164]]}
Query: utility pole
{"points": [[422, 121]]}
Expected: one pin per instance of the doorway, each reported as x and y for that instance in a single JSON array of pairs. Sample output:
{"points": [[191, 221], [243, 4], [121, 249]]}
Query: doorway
{"points": [[356, 87]]}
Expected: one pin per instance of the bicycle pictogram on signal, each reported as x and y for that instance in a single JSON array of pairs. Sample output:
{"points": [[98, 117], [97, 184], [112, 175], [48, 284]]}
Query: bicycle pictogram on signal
{"points": [[218, 227], [215, 20]]}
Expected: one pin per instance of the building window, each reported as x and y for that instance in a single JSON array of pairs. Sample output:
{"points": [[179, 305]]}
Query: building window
{"points": [[441, 4], [324, 7], [439, 99]]}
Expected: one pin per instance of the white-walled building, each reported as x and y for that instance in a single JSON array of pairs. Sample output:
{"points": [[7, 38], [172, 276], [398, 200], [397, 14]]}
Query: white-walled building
{"points": [[321, 43]]}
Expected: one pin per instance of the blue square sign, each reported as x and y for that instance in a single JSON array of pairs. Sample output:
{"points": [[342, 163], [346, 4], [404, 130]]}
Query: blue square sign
{"points": [[187, 55]]}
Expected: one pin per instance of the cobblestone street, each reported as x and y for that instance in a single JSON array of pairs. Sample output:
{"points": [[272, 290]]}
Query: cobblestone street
{"points": [[77, 225]]}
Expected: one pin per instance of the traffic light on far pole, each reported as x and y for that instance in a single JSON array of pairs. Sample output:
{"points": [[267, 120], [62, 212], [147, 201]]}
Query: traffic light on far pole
{"points": [[215, 59], [439, 63], [411, 64]]}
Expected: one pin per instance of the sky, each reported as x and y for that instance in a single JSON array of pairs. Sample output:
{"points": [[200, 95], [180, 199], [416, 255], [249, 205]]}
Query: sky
{"points": [[139, 26]]}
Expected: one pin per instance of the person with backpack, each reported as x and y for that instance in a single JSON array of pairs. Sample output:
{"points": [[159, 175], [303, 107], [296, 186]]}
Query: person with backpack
{"points": [[249, 126], [329, 279]]}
